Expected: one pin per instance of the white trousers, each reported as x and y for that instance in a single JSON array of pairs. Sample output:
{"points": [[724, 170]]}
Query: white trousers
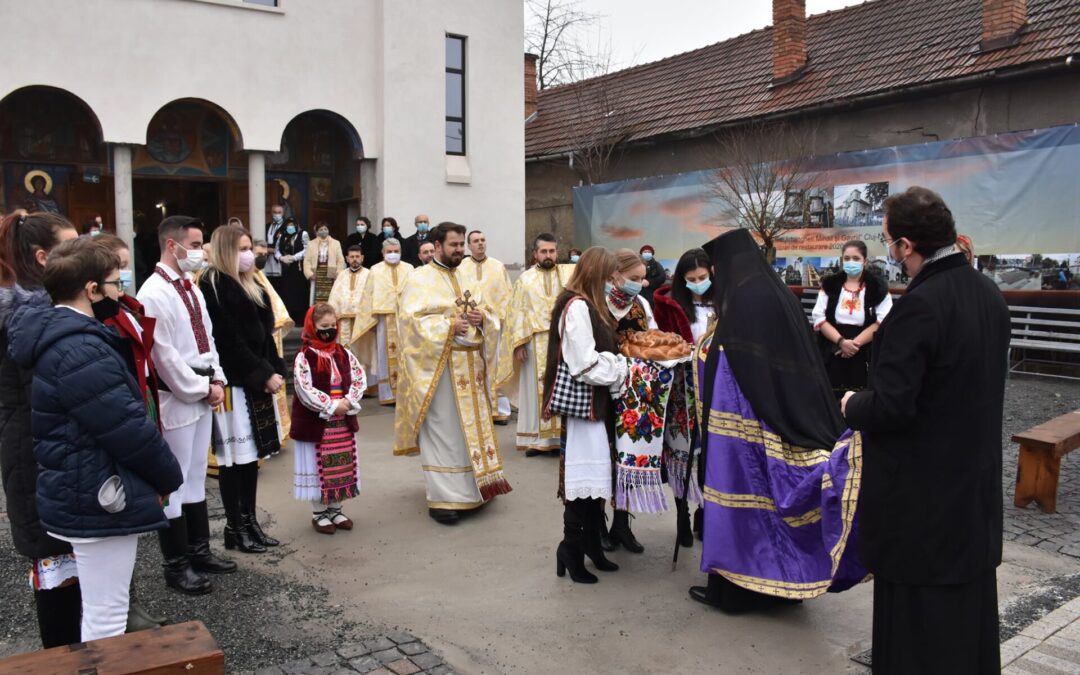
{"points": [[191, 446], [105, 567], [502, 406]]}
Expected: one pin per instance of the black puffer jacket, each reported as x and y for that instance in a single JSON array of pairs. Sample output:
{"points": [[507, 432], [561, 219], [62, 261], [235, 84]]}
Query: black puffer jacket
{"points": [[90, 423], [17, 464], [243, 332]]}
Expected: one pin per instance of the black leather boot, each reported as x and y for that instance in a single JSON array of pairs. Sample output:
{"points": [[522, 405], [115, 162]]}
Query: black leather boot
{"points": [[592, 515], [59, 615], [139, 618], [621, 534], [570, 556], [682, 522], [199, 553], [699, 523], [247, 503], [237, 534], [605, 537], [179, 574]]}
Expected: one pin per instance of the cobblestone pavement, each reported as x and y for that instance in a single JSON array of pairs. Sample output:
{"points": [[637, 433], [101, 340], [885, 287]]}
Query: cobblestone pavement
{"points": [[1050, 646], [1030, 401]]}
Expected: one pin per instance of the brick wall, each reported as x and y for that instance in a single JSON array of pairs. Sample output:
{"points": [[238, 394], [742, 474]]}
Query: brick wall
{"points": [[789, 37], [1002, 18]]}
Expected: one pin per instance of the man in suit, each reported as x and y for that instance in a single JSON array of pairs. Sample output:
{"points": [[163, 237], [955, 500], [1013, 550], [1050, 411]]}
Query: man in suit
{"points": [[410, 248], [930, 513]]}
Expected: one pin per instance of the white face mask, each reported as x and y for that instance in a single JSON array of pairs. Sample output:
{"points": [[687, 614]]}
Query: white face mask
{"points": [[392, 258], [193, 262]]}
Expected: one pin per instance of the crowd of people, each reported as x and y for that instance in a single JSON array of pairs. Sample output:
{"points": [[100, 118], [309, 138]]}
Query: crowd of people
{"points": [[773, 428]]}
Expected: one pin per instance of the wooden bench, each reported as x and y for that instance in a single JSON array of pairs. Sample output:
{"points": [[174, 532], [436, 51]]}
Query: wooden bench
{"points": [[182, 649], [1045, 331], [1041, 450]]}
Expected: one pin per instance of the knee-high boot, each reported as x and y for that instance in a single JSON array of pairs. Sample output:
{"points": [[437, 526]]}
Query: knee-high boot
{"points": [[237, 536], [139, 618], [621, 534], [570, 556], [591, 513], [248, 499], [199, 553], [59, 615], [179, 574]]}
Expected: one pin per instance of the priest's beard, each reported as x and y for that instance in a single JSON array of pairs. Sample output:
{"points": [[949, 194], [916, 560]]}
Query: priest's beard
{"points": [[547, 264], [453, 260]]}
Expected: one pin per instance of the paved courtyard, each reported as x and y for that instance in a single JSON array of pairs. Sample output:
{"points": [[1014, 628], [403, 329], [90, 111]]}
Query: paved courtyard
{"points": [[482, 597]]}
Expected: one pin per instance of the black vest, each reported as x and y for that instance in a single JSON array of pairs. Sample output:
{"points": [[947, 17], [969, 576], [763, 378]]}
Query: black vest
{"points": [[605, 340]]}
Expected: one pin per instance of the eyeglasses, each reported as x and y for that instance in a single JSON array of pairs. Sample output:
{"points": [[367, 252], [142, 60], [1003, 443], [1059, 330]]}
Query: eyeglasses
{"points": [[119, 283]]}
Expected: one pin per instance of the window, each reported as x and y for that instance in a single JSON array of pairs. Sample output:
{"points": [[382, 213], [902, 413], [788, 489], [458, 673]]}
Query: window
{"points": [[455, 95]]}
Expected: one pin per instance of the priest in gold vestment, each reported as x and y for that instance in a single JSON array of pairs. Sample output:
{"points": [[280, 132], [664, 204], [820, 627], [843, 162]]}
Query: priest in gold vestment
{"points": [[523, 354], [377, 316], [446, 331], [492, 282], [345, 297]]}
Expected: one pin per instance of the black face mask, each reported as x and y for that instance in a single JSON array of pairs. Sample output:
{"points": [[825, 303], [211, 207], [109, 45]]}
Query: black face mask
{"points": [[327, 334], [105, 309], [260, 261]]}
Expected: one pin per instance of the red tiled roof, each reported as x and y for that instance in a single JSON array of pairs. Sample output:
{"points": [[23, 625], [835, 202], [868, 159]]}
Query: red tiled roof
{"points": [[878, 46]]}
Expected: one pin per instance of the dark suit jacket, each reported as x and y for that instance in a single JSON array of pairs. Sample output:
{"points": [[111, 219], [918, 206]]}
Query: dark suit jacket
{"points": [[930, 506], [370, 243], [410, 249]]}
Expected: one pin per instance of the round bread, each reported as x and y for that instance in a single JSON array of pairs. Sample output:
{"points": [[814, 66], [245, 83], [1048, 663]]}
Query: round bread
{"points": [[654, 345]]}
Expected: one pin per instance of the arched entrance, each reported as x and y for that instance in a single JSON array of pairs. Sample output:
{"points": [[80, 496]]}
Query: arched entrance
{"points": [[316, 175], [193, 153], [53, 157]]}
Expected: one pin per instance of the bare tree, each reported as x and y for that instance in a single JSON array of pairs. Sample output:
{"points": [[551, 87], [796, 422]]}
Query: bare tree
{"points": [[600, 127], [765, 181], [554, 32]]}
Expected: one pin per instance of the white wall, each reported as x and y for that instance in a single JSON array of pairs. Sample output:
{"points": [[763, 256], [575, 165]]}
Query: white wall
{"points": [[377, 63]]}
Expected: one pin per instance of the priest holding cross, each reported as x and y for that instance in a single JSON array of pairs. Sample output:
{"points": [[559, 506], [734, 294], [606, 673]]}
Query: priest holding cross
{"points": [[448, 336]]}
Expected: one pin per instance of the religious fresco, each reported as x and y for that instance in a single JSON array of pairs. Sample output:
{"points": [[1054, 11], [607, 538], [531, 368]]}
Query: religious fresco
{"points": [[185, 139], [37, 187], [289, 191], [48, 126]]}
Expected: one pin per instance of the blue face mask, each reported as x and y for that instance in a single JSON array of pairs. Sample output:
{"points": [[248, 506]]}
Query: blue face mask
{"points": [[646, 256], [574, 258], [423, 227], [608, 288], [631, 288], [290, 229], [700, 287], [127, 277], [388, 231], [277, 218], [852, 268]]}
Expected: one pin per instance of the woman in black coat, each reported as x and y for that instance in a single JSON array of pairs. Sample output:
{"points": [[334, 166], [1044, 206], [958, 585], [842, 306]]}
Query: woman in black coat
{"points": [[293, 287], [25, 241], [246, 427], [930, 513]]}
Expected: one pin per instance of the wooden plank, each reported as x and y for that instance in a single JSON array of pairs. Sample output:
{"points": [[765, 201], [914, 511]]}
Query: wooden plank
{"points": [[181, 649], [1059, 435], [1045, 310], [1037, 479]]}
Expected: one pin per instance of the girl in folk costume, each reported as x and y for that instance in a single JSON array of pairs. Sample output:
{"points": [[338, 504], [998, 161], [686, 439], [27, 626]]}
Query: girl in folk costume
{"points": [[329, 384], [684, 306], [850, 307], [632, 313], [246, 426], [583, 356]]}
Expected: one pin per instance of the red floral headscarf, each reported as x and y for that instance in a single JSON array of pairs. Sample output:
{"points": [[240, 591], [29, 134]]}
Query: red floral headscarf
{"points": [[325, 350]]}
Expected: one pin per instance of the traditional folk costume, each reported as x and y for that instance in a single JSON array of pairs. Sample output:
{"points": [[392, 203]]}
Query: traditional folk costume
{"points": [[527, 323], [322, 262], [378, 310], [346, 298], [781, 475], [444, 410], [493, 284], [246, 427], [291, 284], [325, 373], [187, 364], [583, 345], [850, 313], [283, 323]]}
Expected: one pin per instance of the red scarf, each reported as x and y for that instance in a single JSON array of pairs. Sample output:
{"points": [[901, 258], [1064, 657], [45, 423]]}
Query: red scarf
{"points": [[324, 350]]}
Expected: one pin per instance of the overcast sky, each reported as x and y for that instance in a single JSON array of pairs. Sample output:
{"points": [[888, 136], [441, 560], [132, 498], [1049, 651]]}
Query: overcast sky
{"points": [[646, 30]]}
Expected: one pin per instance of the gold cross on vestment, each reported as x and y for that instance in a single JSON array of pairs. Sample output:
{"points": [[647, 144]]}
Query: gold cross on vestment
{"points": [[466, 303]]}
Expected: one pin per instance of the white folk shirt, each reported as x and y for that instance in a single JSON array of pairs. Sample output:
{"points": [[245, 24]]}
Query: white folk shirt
{"points": [[175, 351], [850, 309]]}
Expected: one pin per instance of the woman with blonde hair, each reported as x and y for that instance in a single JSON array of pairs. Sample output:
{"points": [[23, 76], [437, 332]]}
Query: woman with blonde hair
{"points": [[246, 427], [583, 356]]}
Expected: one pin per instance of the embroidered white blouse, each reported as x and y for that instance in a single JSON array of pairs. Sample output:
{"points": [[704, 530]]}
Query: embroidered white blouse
{"points": [[850, 309], [320, 401]]}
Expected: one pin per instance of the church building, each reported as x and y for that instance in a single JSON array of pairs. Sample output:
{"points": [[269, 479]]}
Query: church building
{"points": [[133, 110]]}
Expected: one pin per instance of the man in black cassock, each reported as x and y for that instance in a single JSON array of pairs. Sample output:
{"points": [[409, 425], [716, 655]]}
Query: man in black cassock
{"points": [[930, 512]]}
